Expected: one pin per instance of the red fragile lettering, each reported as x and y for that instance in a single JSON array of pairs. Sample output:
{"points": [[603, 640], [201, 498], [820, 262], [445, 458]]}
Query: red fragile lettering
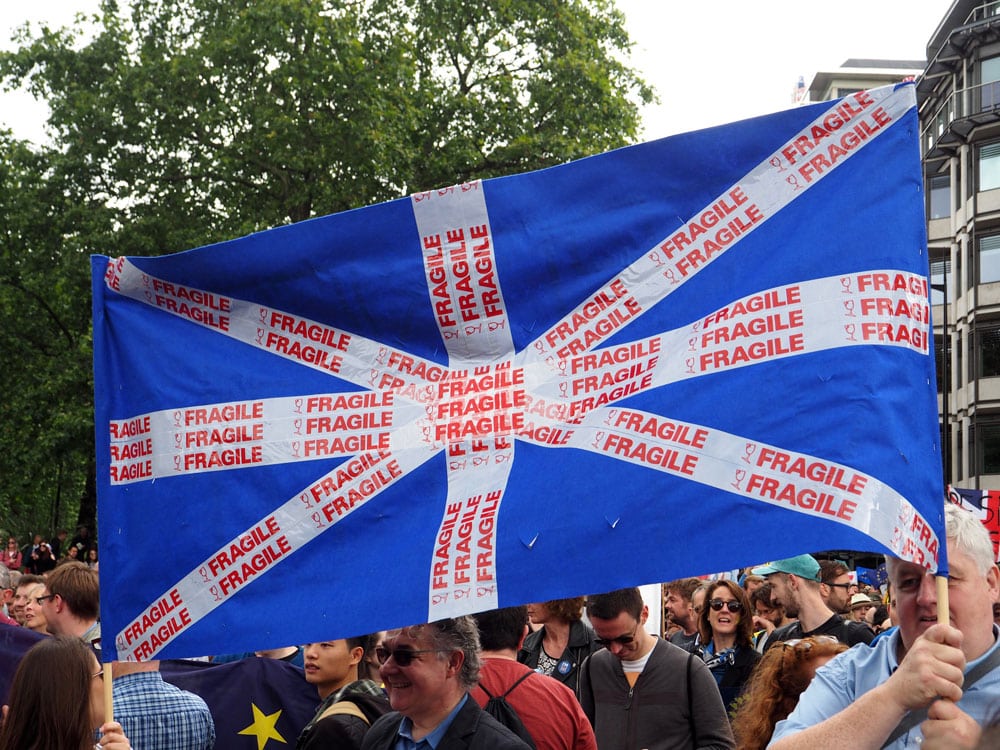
{"points": [[580, 408], [364, 421], [158, 637], [612, 378], [362, 490], [813, 470], [614, 355], [194, 296], [892, 308], [806, 498], [417, 368], [131, 428], [661, 429], [225, 436], [245, 545], [837, 119], [924, 534], [442, 556], [758, 350], [318, 334], [776, 298], [157, 612], [344, 474], [887, 333], [437, 275], [131, 472], [822, 161], [496, 424], [478, 404], [544, 434], [129, 451], [223, 458], [226, 413], [193, 312], [650, 454], [361, 400], [244, 571], [753, 327], [710, 218], [351, 444], [896, 282], [321, 358]]}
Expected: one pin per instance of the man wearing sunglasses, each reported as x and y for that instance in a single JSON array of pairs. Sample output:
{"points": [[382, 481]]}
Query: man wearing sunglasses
{"points": [[640, 691], [795, 584], [428, 671], [929, 685]]}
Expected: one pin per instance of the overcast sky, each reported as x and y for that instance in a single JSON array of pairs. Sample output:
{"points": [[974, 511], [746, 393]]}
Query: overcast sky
{"points": [[710, 62]]}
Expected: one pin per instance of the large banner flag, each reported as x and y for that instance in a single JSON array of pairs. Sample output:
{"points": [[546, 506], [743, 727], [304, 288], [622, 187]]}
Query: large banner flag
{"points": [[678, 357]]}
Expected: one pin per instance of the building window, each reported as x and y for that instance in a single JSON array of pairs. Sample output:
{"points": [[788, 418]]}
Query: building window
{"points": [[989, 258], [941, 354], [988, 349], [940, 271], [987, 442], [989, 75], [939, 197], [989, 166], [958, 360]]}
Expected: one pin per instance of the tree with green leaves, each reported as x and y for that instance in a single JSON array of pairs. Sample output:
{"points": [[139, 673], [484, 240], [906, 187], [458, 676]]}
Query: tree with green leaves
{"points": [[178, 123]]}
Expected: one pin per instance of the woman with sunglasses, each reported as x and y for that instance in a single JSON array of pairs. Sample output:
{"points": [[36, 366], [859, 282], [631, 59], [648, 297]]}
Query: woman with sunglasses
{"points": [[726, 630], [57, 701], [781, 677]]}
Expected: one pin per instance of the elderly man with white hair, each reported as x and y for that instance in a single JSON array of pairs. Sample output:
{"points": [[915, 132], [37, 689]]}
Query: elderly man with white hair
{"points": [[929, 685]]}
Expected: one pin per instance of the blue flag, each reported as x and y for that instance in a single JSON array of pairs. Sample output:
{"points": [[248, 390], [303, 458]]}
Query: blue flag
{"points": [[253, 700], [678, 357]]}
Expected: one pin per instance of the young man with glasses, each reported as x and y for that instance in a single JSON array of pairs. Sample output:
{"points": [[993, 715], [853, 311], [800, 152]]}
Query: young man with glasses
{"points": [[640, 691], [428, 671], [836, 586], [71, 602], [795, 584]]}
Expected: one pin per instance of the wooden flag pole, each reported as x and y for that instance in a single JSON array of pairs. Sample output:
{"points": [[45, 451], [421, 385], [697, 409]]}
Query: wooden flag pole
{"points": [[109, 714], [942, 599]]}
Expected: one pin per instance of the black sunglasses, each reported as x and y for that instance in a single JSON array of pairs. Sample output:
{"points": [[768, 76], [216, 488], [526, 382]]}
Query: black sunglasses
{"points": [[621, 640], [403, 656], [733, 605]]}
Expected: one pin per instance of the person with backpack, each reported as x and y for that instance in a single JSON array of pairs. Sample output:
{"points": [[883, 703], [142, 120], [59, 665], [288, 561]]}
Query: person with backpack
{"points": [[350, 702], [542, 711]]}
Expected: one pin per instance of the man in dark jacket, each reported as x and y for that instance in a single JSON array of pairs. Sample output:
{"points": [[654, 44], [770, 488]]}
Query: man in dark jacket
{"points": [[428, 671], [642, 692]]}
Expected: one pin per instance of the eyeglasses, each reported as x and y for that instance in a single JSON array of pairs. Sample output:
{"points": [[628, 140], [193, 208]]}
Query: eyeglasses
{"points": [[403, 656], [40, 599], [98, 673], [732, 605], [804, 644], [621, 640], [847, 586]]}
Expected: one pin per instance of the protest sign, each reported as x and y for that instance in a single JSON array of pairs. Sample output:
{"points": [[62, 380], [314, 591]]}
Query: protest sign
{"points": [[687, 355]]}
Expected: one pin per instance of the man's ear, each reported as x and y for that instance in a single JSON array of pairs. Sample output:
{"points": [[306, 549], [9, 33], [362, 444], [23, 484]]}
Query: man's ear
{"points": [[455, 661]]}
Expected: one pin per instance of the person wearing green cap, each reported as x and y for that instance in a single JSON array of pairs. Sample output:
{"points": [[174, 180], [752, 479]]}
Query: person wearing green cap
{"points": [[795, 583]]}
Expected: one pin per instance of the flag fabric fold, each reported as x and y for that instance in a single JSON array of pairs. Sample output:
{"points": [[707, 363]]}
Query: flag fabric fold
{"points": [[678, 357]]}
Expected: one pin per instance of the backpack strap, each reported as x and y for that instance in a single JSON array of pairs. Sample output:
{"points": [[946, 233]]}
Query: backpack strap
{"points": [[345, 708], [913, 718], [522, 678]]}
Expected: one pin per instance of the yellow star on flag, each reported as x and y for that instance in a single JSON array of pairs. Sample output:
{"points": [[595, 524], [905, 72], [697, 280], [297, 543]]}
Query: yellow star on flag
{"points": [[263, 727]]}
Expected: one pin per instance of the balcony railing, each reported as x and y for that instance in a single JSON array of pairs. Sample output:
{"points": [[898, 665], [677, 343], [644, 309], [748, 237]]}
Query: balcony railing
{"points": [[960, 113]]}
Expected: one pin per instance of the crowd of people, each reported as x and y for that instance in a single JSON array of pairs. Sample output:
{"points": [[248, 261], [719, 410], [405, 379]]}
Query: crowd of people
{"points": [[795, 653]]}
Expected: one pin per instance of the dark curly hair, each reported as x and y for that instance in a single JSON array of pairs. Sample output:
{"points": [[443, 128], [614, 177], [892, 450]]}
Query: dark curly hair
{"points": [[567, 610]]}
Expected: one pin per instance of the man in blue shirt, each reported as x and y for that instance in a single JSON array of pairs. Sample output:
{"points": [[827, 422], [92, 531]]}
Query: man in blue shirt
{"points": [[873, 695], [428, 671], [156, 714]]}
